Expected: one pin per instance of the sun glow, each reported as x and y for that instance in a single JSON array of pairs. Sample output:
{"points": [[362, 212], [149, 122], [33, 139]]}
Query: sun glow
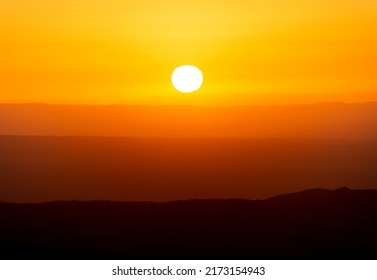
{"points": [[187, 78]]}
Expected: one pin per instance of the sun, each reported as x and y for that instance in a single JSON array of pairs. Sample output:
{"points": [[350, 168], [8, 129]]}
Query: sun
{"points": [[187, 78]]}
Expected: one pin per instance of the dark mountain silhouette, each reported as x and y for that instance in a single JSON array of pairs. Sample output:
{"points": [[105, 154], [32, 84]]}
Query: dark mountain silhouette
{"points": [[313, 224]]}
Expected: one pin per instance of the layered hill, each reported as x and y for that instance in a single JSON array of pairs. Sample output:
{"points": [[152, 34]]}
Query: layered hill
{"points": [[319, 121]]}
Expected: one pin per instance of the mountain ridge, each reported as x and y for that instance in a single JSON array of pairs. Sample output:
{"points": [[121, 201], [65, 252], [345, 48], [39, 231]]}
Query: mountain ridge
{"points": [[343, 228], [304, 194]]}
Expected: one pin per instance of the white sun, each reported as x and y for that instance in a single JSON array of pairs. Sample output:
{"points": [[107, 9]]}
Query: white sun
{"points": [[187, 78]]}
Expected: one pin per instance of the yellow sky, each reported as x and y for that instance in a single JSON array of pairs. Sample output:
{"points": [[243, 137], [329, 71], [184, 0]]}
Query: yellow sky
{"points": [[250, 52]]}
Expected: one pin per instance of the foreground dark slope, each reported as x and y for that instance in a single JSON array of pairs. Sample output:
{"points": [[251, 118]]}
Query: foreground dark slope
{"points": [[314, 224]]}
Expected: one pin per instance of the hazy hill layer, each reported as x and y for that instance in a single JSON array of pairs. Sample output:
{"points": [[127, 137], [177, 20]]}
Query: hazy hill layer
{"points": [[328, 120], [34, 169]]}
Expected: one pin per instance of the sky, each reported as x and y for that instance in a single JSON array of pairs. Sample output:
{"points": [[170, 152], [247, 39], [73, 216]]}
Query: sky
{"points": [[250, 52]]}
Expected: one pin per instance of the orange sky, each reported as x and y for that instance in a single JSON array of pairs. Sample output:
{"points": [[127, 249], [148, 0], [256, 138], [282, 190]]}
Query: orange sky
{"points": [[250, 52]]}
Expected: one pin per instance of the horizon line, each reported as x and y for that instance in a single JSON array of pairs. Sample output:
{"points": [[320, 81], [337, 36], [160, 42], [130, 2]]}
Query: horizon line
{"points": [[187, 105]]}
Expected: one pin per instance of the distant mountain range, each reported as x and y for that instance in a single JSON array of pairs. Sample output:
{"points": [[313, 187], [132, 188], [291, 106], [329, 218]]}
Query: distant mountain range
{"points": [[313, 224], [319, 121]]}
